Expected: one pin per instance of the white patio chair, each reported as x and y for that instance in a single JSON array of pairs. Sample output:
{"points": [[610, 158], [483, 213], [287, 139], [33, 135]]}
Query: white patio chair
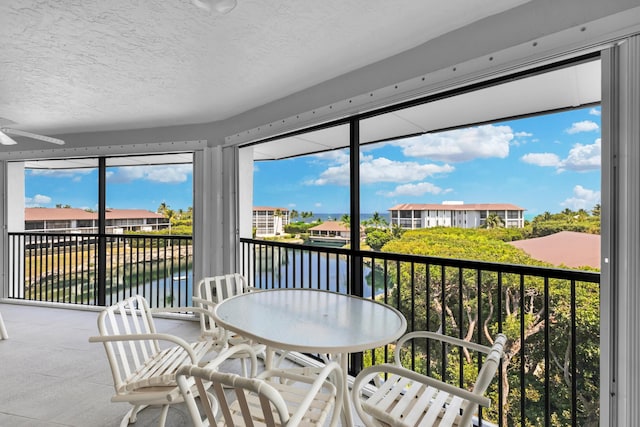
{"points": [[144, 373], [208, 292], [3, 330], [276, 397], [407, 398]]}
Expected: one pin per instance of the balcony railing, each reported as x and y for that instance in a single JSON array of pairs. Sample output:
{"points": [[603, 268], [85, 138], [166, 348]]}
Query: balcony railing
{"points": [[550, 373], [66, 268]]}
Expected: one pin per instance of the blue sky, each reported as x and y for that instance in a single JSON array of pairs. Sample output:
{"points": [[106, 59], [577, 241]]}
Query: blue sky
{"points": [[131, 187], [542, 163]]}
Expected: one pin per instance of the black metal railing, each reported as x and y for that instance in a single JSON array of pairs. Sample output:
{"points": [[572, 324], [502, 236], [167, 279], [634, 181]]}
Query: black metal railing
{"points": [[60, 267], [550, 372]]}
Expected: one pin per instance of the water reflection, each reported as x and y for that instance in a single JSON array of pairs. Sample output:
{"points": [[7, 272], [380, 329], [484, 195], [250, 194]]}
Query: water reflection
{"points": [[288, 268]]}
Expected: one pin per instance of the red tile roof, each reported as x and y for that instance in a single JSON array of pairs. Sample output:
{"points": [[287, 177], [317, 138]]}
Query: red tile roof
{"points": [[567, 248], [52, 214], [267, 208], [330, 226], [456, 207]]}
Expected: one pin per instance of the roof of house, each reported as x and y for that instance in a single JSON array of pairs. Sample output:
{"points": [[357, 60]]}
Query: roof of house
{"points": [[60, 214], [268, 208], [456, 207], [330, 226], [567, 248]]}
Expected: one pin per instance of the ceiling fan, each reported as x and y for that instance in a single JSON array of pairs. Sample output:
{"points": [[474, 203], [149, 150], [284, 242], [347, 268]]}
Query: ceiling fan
{"points": [[5, 139]]}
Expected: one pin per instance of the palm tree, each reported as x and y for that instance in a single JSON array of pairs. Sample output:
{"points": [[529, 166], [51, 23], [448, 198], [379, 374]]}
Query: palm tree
{"points": [[596, 210], [277, 220], [582, 214], [378, 221], [293, 214], [493, 221], [396, 231], [346, 220]]}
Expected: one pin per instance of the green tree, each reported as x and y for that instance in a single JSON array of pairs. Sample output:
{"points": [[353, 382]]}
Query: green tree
{"points": [[448, 300], [493, 221], [376, 239], [293, 214], [345, 219], [377, 220]]}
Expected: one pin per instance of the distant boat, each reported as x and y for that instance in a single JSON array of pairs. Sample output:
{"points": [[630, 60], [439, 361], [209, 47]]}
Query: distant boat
{"points": [[176, 278]]}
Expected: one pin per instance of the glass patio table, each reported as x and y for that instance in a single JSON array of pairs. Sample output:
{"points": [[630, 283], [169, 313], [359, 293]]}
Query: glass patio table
{"points": [[312, 321]]}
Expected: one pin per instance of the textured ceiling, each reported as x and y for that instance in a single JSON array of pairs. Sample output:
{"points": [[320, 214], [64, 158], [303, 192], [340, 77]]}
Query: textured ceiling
{"points": [[88, 65]]}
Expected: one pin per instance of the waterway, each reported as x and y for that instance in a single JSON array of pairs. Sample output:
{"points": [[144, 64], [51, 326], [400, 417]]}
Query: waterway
{"points": [[300, 268]]}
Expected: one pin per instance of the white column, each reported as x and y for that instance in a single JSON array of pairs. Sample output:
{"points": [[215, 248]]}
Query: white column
{"points": [[207, 213], [245, 207], [12, 219], [620, 271], [230, 228]]}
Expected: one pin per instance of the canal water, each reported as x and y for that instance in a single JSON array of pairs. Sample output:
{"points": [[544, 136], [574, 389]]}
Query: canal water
{"points": [[300, 268]]}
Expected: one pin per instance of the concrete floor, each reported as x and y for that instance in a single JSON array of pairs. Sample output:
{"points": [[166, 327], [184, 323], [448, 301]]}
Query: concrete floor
{"points": [[50, 375]]}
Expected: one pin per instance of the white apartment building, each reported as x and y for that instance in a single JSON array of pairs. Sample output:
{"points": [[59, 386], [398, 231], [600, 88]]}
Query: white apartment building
{"points": [[269, 221], [67, 220], [455, 214]]}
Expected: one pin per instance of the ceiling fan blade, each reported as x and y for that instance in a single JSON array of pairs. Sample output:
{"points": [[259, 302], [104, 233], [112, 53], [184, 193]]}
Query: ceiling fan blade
{"points": [[6, 140], [33, 136]]}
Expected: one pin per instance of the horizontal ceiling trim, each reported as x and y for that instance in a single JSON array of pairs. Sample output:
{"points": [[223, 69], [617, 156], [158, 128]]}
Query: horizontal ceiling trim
{"points": [[111, 150], [564, 45]]}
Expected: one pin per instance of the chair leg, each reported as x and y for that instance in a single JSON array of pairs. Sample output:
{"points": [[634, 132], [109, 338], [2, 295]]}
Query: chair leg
{"points": [[243, 362], [132, 416], [163, 416], [3, 331]]}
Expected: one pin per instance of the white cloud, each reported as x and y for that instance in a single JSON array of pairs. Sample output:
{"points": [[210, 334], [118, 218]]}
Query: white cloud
{"points": [[318, 205], [419, 189], [583, 126], [460, 145], [291, 205], [595, 112], [380, 169], [523, 134], [61, 173], [158, 173], [542, 159], [583, 198], [334, 156], [581, 158], [37, 201]]}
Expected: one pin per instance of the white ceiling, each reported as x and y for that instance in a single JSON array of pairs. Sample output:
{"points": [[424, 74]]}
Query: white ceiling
{"points": [[90, 65], [568, 87]]}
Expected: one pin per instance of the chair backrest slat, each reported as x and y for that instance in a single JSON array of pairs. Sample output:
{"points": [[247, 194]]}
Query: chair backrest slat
{"points": [[131, 316]]}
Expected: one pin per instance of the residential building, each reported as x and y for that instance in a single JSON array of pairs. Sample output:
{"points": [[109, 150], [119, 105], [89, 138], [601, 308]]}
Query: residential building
{"points": [[269, 221], [66, 220], [330, 232], [455, 214]]}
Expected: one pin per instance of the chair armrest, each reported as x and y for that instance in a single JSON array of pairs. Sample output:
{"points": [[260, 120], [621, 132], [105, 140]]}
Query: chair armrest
{"points": [[439, 337], [148, 337], [317, 377], [204, 301], [367, 374], [230, 351], [187, 309]]}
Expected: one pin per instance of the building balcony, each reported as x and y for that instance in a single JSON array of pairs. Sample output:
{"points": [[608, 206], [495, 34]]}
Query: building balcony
{"points": [[551, 317]]}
